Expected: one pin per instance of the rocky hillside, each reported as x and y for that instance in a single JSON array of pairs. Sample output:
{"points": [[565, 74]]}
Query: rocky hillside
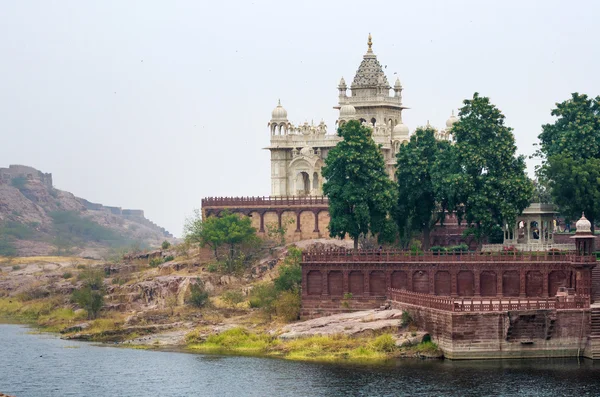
{"points": [[37, 219]]}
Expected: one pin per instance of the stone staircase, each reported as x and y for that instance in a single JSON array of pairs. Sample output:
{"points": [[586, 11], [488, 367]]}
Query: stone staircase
{"points": [[595, 314], [596, 284], [595, 333]]}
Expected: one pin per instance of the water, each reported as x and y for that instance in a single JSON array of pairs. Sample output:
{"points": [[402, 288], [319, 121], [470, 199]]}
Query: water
{"points": [[45, 366]]}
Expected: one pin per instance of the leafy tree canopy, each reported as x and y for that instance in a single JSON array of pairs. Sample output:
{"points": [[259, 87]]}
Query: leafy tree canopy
{"points": [[570, 149], [228, 229], [493, 185], [425, 174], [361, 194]]}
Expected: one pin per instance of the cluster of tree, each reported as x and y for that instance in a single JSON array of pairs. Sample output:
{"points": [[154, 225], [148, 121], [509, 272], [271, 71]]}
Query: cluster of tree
{"points": [[229, 232], [478, 177], [570, 153]]}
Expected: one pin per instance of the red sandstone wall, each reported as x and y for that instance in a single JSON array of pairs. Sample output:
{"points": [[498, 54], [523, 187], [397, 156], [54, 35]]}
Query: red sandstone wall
{"points": [[539, 333]]}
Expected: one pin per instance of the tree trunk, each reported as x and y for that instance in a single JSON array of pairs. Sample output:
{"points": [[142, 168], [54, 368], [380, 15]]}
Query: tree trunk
{"points": [[355, 243], [426, 237]]}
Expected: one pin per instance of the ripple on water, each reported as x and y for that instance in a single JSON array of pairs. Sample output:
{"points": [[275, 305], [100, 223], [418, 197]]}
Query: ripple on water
{"points": [[42, 365]]}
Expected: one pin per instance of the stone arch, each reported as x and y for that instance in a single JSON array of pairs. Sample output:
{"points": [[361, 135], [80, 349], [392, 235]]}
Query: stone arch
{"points": [[399, 280], [270, 220], [420, 280], [488, 283], [335, 283], [443, 283], [288, 222], [373, 121], [356, 283], [511, 283], [316, 181], [534, 284], [377, 283], [556, 279], [465, 283], [307, 223], [255, 218], [302, 184], [314, 282], [323, 223]]}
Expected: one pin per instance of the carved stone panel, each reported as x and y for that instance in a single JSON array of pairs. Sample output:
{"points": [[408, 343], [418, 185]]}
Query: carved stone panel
{"points": [[489, 283], [399, 280], [377, 283], [534, 284], [336, 283], [356, 282], [511, 283], [443, 283], [314, 282], [465, 283], [421, 281]]}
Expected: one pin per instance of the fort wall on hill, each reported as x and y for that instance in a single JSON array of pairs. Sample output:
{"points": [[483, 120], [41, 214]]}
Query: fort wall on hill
{"points": [[23, 171]]}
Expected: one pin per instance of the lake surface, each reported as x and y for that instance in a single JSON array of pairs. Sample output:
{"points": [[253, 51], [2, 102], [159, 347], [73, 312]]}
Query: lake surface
{"points": [[45, 366]]}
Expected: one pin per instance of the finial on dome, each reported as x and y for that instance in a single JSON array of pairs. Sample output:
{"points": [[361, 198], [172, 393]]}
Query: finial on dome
{"points": [[278, 102], [370, 44]]}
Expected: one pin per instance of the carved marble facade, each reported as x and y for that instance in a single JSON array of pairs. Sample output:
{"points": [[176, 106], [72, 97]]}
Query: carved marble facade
{"points": [[298, 151]]}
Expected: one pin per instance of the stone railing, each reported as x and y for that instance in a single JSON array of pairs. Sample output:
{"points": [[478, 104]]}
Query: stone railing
{"points": [[345, 256], [264, 201], [483, 304], [528, 247]]}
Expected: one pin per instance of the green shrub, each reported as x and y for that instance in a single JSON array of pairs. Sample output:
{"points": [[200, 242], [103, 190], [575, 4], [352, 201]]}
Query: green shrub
{"points": [[198, 295], [384, 343], [165, 245], [92, 277], [19, 182], [33, 293], [155, 262], [254, 303], [169, 258], [406, 319], [232, 298], [437, 248], [213, 267], [16, 267], [263, 296], [287, 305], [67, 275], [290, 272]]}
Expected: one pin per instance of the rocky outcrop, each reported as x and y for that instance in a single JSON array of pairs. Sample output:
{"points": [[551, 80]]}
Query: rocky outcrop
{"points": [[356, 323]]}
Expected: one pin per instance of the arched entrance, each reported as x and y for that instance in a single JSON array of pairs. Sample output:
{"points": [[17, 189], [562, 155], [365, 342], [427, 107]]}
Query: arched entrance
{"points": [[302, 184]]}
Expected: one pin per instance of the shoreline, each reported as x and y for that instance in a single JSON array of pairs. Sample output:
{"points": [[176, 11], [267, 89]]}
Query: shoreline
{"points": [[336, 349]]}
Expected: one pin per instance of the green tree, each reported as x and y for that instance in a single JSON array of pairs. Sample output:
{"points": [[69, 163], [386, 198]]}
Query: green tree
{"points": [[493, 186], [424, 169], [290, 272], [228, 230], [570, 150], [198, 296], [90, 296], [361, 194]]}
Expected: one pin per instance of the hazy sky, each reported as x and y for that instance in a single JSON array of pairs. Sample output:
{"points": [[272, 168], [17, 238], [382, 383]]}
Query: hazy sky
{"points": [[154, 105]]}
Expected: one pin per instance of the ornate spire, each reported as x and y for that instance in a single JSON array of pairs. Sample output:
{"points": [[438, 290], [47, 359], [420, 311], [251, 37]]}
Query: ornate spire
{"points": [[370, 44]]}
